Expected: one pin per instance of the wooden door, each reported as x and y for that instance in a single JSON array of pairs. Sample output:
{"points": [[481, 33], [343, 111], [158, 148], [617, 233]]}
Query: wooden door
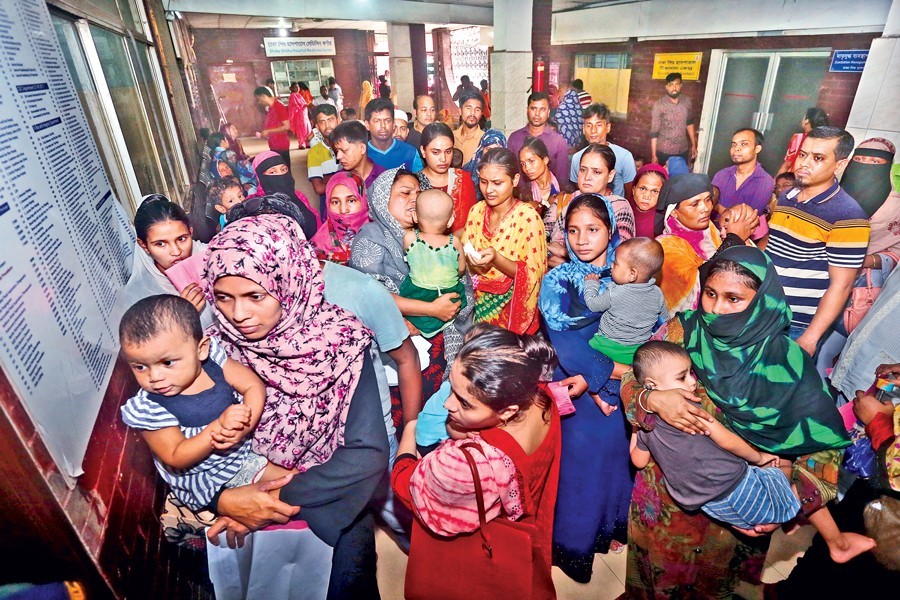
{"points": [[233, 87]]}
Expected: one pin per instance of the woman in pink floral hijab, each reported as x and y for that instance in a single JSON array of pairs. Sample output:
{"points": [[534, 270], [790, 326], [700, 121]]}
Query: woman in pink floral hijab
{"points": [[310, 358], [322, 415]]}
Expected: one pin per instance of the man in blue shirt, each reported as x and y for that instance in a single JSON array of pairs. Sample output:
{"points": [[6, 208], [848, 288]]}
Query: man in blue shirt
{"points": [[596, 128], [384, 150]]}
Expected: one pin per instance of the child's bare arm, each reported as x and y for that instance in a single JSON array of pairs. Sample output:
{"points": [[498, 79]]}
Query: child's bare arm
{"points": [[732, 442], [462, 255], [639, 458], [250, 386], [177, 451], [408, 238]]}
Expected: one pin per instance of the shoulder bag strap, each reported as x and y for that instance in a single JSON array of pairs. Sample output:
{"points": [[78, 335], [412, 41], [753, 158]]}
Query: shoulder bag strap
{"points": [[479, 497]]}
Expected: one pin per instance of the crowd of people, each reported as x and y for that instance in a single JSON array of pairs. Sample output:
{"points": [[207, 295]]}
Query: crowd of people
{"points": [[543, 329]]}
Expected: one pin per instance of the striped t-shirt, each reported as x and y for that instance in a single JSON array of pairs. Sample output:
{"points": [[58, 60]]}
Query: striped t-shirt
{"points": [[806, 238], [197, 485]]}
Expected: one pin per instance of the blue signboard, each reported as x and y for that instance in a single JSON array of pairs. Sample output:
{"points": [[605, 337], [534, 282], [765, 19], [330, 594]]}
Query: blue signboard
{"points": [[848, 61]]}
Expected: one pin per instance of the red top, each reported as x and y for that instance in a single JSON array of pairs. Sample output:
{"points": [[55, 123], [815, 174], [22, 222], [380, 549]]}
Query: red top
{"points": [[463, 194], [424, 485], [277, 115]]}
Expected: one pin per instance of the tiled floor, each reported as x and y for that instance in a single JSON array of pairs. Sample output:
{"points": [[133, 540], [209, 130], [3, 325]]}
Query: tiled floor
{"points": [[608, 581]]}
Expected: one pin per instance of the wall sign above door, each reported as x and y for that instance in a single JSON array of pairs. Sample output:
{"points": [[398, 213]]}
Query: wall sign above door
{"points": [[299, 46], [686, 63], [848, 61]]}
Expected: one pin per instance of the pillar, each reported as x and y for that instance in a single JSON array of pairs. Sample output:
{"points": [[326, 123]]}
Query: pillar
{"points": [[401, 65], [511, 64], [875, 110], [419, 59]]}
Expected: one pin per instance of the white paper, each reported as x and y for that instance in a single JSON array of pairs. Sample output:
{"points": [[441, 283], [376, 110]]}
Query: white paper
{"points": [[65, 243], [284, 564]]}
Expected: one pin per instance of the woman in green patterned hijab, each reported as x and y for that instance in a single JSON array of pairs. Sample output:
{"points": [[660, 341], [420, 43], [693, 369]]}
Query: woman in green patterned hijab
{"points": [[763, 382]]}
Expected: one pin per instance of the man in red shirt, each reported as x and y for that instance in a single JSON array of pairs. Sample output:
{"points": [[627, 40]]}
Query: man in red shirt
{"points": [[276, 125]]}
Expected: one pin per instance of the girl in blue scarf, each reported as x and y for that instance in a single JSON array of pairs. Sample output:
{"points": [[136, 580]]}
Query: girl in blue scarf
{"points": [[594, 480]]}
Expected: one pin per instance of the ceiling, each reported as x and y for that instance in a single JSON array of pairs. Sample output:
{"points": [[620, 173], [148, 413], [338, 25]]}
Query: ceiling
{"points": [[205, 20], [213, 21]]}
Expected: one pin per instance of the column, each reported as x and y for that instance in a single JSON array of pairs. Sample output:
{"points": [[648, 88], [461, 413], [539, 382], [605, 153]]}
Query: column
{"points": [[876, 107], [511, 64], [401, 65], [419, 59]]}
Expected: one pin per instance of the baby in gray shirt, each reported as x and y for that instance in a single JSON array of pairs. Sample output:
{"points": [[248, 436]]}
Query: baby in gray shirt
{"points": [[631, 304]]}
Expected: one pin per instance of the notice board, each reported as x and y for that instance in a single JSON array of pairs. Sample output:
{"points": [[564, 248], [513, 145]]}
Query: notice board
{"points": [[65, 243], [686, 63]]}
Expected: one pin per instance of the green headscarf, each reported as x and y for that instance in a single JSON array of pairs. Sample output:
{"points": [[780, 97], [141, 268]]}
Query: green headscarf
{"points": [[762, 381]]}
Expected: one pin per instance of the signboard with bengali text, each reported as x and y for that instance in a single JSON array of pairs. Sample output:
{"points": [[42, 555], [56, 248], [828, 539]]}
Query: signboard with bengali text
{"points": [[686, 63], [848, 61], [299, 46], [65, 242]]}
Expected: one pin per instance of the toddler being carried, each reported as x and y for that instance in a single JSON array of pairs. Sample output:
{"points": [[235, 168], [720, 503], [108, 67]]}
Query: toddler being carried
{"points": [[632, 304], [435, 258], [196, 407]]}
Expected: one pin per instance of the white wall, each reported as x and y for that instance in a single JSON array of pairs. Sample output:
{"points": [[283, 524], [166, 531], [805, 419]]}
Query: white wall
{"points": [[876, 108], [681, 19]]}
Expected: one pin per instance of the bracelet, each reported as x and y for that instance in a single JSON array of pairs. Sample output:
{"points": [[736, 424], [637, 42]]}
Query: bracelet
{"points": [[642, 395]]}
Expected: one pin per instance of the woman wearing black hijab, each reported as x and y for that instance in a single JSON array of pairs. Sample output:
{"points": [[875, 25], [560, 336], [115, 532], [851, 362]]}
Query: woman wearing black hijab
{"points": [[689, 238], [274, 178]]}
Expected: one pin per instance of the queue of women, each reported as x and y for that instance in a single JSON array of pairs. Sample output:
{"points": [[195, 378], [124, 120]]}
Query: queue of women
{"points": [[264, 298]]}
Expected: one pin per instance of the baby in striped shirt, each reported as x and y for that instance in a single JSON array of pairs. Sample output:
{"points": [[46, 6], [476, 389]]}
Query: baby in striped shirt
{"points": [[196, 407], [631, 304]]}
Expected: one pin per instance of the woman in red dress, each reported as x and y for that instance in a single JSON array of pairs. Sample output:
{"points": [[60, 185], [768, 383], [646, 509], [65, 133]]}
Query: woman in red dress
{"points": [[437, 151], [519, 438]]}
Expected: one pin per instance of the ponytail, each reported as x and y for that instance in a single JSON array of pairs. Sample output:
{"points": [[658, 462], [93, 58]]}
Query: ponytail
{"points": [[504, 368]]}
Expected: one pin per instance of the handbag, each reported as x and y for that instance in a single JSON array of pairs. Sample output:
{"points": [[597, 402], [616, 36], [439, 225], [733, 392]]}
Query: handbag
{"points": [[862, 297], [502, 559]]}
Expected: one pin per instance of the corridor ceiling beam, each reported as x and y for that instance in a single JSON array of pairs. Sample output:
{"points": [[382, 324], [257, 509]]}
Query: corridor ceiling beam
{"points": [[396, 11]]}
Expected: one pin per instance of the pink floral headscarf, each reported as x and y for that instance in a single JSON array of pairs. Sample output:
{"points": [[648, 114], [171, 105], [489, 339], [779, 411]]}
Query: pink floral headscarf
{"points": [[311, 360], [332, 240]]}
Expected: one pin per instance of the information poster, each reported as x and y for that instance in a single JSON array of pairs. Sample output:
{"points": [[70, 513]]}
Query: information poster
{"points": [[686, 63], [65, 246]]}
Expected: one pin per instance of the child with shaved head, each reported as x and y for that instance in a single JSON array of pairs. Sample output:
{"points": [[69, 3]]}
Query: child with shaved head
{"points": [[435, 258]]}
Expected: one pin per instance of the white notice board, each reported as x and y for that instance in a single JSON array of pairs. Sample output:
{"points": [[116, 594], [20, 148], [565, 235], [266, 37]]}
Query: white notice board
{"points": [[65, 243]]}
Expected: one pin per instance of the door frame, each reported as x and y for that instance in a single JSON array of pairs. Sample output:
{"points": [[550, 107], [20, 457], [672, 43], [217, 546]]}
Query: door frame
{"points": [[715, 79]]}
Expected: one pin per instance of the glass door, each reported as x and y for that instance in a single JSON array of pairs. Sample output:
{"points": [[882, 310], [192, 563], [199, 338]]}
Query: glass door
{"points": [[768, 91], [740, 103], [796, 88]]}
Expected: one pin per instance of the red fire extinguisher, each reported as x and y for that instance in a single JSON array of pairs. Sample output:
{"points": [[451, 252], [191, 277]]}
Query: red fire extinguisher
{"points": [[537, 82]]}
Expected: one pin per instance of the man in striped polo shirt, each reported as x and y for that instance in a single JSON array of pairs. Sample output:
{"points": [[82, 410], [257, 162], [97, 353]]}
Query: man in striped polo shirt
{"points": [[818, 237]]}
